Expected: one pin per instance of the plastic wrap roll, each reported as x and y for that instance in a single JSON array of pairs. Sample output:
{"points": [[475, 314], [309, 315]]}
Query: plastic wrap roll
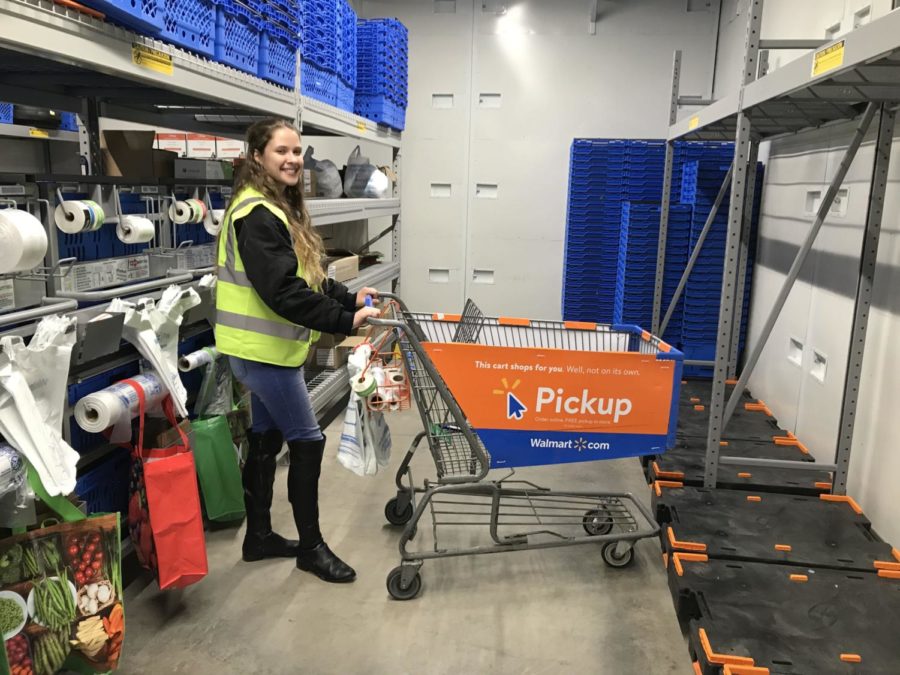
{"points": [[377, 402], [23, 241], [212, 222], [117, 404], [135, 230], [197, 359], [365, 385], [180, 213], [74, 217], [394, 376], [98, 217]]}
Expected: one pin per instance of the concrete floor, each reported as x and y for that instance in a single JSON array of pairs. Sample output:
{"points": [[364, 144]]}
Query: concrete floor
{"points": [[546, 611]]}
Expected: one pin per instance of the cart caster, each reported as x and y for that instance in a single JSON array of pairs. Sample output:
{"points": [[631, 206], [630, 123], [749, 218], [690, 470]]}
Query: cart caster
{"points": [[395, 589], [597, 522], [395, 515], [611, 558]]}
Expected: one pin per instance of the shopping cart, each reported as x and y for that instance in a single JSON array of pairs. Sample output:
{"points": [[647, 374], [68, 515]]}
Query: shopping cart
{"points": [[492, 393]]}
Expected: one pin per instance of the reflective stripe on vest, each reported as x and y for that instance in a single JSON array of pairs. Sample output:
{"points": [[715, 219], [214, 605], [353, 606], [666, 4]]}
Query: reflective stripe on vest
{"points": [[246, 326]]}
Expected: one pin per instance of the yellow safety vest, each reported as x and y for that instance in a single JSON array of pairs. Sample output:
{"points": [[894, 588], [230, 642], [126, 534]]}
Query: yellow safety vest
{"points": [[245, 326]]}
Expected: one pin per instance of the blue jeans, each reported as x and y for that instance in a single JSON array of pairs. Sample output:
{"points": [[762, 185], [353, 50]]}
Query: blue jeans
{"points": [[279, 399]]}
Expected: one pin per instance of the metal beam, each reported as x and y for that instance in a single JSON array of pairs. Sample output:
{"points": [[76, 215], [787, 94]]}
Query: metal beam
{"points": [[666, 197], [746, 231], [739, 179], [864, 289], [698, 247], [790, 465], [691, 100], [814, 43], [794, 272]]}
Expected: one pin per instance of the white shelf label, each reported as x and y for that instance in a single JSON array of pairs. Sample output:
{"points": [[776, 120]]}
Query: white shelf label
{"points": [[91, 276]]}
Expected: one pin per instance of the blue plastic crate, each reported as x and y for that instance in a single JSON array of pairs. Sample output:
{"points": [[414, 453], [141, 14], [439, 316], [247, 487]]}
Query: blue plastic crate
{"points": [[380, 110], [105, 487], [344, 95], [237, 36], [318, 83], [68, 121], [142, 16], [6, 113], [278, 56], [190, 24]]}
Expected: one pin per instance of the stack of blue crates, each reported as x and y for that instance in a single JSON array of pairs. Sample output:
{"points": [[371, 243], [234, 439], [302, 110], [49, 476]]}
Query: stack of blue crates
{"points": [[636, 274], [6, 113], [382, 53], [612, 229], [701, 181], [318, 75], [346, 56]]}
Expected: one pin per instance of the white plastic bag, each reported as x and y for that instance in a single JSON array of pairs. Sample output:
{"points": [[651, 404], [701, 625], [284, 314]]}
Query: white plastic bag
{"points": [[32, 398], [365, 444]]}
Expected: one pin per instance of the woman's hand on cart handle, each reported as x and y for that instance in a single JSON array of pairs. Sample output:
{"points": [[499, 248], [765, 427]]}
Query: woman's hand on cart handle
{"points": [[363, 294], [363, 314]]}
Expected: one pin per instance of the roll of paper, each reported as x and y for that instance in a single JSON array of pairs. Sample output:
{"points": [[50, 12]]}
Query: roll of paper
{"points": [[135, 230], [73, 217], [212, 223], [197, 359], [23, 241], [377, 402], [117, 405], [394, 376]]}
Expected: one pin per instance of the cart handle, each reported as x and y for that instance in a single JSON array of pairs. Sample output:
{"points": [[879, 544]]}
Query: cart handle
{"points": [[396, 298]]}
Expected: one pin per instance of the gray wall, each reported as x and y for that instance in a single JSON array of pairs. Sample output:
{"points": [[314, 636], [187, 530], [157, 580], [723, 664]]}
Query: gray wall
{"points": [[555, 82]]}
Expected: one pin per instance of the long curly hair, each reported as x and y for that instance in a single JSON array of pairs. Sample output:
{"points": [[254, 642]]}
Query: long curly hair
{"points": [[308, 244]]}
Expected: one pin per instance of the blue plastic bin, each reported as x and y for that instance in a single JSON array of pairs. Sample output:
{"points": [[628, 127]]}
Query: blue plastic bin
{"points": [[237, 36]]}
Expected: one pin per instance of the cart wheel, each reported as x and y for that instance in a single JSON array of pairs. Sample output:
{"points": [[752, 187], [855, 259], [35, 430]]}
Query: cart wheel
{"points": [[398, 593], [395, 516], [597, 522], [612, 559]]}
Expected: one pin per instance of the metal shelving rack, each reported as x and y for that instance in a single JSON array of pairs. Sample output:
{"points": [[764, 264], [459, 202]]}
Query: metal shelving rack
{"points": [[856, 77], [59, 58]]}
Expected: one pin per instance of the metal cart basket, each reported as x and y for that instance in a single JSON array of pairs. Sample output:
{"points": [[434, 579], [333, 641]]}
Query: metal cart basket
{"points": [[499, 393]]}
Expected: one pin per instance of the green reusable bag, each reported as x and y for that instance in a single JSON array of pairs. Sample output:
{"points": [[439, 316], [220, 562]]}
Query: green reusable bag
{"points": [[218, 470]]}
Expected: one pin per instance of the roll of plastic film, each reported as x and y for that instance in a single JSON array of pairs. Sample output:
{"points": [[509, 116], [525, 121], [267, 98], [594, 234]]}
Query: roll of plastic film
{"points": [[135, 230], [180, 213], [23, 241], [196, 210], [73, 217], [98, 217], [212, 222], [364, 386], [202, 209]]}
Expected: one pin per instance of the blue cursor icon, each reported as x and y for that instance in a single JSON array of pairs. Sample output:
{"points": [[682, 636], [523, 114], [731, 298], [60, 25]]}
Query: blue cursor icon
{"points": [[515, 409]]}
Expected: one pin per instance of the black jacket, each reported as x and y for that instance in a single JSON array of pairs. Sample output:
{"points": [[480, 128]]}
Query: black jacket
{"points": [[271, 266]]}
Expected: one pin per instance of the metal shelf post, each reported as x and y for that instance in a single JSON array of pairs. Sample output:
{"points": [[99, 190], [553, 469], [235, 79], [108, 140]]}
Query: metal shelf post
{"points": [[868, 259]]}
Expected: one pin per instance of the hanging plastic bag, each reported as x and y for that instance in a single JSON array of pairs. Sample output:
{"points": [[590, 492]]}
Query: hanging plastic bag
{"points": [[328, 178], [365, 444], [362, 179], [32, 397]]}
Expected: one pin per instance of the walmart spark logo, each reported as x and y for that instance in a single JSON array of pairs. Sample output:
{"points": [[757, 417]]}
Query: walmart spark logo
{"points": [[515, 409], [580, 444]]}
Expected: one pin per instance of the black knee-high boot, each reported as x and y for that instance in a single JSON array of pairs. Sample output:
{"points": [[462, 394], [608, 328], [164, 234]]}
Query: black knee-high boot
{"points": [[258, 478], [303, 492]]}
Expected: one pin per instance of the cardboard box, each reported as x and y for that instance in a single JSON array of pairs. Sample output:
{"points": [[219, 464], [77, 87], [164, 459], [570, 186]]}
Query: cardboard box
{"points": [[229, 148], [204, 169], [176, 143], [341, 265], [201, 146], [332, 350], [158, 433], [131, 154], [309, 184]]}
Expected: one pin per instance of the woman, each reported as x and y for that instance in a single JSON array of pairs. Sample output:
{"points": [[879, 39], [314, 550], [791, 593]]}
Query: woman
{"points": [[272, 302]]}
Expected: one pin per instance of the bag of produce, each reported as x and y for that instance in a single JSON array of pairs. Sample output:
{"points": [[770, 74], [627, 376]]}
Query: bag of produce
{"points": [[61, 598]]}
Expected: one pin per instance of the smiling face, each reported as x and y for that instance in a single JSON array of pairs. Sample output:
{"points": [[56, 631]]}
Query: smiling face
{"points": [[282, 158]]}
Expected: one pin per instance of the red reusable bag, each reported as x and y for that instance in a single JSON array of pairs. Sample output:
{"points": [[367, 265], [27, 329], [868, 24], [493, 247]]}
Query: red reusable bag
{"points": [[164, 515]]}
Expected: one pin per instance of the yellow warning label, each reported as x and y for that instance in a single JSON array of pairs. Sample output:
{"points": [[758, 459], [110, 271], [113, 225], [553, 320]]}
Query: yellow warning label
{"points": [[694, 122], [361, 126], [38, 133], [151, 59], [828, 58]]}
